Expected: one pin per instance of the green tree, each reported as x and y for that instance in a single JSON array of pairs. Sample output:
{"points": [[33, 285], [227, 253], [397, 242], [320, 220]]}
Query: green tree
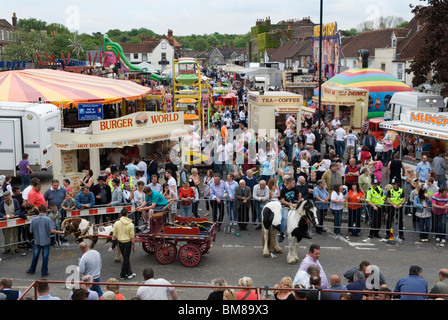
{"points": [[432, 57], [28, 43], [31, 24]]}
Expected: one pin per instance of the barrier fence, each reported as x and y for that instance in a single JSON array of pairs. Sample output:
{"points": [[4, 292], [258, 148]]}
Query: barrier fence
{"points": [[263, 293], [99, 211]]}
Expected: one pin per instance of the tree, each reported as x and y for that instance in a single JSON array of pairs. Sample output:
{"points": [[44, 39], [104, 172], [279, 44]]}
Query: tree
{"points": [[26, 46], [431, 59], [31, 24]]}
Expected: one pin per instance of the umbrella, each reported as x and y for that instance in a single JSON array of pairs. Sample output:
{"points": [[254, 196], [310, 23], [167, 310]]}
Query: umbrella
{"points": [[65, 88]]}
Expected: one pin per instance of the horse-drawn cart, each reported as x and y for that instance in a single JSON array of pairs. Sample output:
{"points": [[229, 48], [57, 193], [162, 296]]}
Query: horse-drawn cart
{"points": [[163, 239]]}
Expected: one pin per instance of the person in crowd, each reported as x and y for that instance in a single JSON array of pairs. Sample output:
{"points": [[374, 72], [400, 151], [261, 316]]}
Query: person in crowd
{"points": [[55, 194], [423, 213], [124, 234], [6, 289], [218, 193], [413, 283], [441, 286], [337, 202], [352, 173], [186, 197], [41, 227], [375, 198], [395, 169], [335, 284], [440, 166], [358, 284], [25, 172], [90, 264], [261, 197], [158, 292], [248, 292], [439, 210], [217, 293], [10, 209], [155, 185], [243, 197], [283, 293], [35, 196], [313, 258], [88, 179], [355, 200], [85, 199], [423, 169], [322, 200], [396, 199], [232, 213]]}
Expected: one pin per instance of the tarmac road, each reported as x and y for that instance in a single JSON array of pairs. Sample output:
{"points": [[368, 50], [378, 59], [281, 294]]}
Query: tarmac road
{"points": [[232, 257]]}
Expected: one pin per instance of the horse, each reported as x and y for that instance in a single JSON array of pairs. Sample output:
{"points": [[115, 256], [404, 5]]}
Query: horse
{"points": [[82, 229], [297, 226]]}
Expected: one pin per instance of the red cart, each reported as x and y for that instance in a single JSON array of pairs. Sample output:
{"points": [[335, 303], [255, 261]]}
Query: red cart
{"points": [[164, 239]]}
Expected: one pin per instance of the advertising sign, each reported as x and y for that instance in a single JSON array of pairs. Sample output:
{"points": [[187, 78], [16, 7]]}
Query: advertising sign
{"points": [[90, 111]]}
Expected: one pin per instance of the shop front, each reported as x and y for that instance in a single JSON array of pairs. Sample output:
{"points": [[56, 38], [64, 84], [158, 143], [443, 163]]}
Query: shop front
{"points": [[141, 132], [422, 133], [265, 108], [349, 104]]}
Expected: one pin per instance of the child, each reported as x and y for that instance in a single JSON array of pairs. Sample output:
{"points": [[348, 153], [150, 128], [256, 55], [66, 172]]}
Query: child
{"points": [[68, 204], [56, 216]]}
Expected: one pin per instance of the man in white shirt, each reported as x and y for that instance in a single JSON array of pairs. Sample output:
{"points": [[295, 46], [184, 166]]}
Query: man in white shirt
{"points": [[310, 137], [224, 157], [335, 122], [340, 142], [155, 292], [351, 140]]}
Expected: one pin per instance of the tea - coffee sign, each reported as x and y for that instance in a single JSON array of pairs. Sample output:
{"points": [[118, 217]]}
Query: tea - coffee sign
{"points": [[137, 120]]}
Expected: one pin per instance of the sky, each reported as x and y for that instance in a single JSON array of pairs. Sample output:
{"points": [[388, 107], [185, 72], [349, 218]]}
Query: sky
{"points": [[199, 16]]}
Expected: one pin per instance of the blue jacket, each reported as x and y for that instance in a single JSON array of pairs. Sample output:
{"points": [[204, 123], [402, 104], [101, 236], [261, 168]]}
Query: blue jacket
{"points": [[81, 199]]}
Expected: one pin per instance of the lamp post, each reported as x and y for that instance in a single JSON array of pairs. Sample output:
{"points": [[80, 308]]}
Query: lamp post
{"points": [[320, 62]]}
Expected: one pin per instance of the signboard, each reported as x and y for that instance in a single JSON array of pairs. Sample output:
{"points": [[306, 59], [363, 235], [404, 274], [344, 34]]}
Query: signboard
{"points": [[273, 100], [331, 50], [90, 111], [427, 120], [137, 120]]}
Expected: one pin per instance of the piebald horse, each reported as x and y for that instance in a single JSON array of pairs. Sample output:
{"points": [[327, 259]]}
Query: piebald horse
{"points": [[296, 227], [82, 229]]}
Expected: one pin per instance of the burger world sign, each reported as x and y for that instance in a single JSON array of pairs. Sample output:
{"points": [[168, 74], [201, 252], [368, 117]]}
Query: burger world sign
{"points": [[138, 120]]}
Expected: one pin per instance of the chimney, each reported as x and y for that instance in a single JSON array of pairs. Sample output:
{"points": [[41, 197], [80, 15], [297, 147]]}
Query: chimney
{"points": [[170, 33], [214, 44], [363, 56], [14, 20], [232, 45]]}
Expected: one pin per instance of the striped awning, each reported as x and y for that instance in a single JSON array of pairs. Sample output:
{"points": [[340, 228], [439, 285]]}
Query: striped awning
{"points": [[64, 88]]}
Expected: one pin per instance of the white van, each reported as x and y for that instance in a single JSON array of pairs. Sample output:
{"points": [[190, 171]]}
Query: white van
{"points": [[403, 101], [26, 128]]}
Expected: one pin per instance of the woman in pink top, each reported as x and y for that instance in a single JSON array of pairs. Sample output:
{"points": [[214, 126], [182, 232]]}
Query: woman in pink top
{"points": [[439, 208]]}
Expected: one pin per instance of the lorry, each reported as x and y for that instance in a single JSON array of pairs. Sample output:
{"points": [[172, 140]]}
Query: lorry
{"points": [[26, 128], [403, 101]]}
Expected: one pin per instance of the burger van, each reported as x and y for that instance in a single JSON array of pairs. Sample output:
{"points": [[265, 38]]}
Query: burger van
{"points": [[26, 128], [403, 101]]}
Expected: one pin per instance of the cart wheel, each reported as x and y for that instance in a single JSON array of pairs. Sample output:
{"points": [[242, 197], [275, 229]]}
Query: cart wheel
{"points": [[190, 255], [204, 246], [166, 252], [149, 247]]}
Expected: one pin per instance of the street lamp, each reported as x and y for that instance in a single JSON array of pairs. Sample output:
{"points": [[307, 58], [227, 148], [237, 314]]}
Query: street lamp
{"points": [[320, 62]]}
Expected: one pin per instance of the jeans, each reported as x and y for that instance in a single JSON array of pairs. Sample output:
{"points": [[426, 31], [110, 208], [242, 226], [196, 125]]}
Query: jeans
{"points": [[424, 226], [258, 209], [231, 211], [337, 220], [340, 148], [26, 180], [96, 287], [440, 225], [284, 219], [354, 221], [186, 211], [441, 179], [45, 257], [321, 216]]}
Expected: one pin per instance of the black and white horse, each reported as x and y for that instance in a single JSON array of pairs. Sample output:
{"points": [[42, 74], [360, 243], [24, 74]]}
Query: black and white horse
{"points": [[296, 227]]}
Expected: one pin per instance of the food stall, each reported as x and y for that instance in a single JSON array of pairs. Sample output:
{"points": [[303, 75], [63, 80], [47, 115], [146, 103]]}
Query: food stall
{"points": [[349, 104], [422, 133], [150, 132], [264, 107]]}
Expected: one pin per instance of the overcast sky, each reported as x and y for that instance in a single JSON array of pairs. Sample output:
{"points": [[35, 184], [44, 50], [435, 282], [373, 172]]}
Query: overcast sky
{"points": [[199, 16]]}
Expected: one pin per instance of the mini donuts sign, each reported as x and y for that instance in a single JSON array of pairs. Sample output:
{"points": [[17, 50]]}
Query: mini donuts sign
{"points": [[137, 120]]}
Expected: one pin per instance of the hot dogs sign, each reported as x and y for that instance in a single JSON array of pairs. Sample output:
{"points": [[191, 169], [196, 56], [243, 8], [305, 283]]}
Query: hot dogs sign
{"points": [[137, 120]]}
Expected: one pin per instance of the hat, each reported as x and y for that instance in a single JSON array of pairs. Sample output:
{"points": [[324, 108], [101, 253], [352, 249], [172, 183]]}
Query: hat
{"points": [[101, 178], [394, 181], [123, 167], [375, 181], [114, 169], [6, 193]]}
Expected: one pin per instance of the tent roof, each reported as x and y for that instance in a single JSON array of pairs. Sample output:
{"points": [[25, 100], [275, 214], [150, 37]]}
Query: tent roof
{"points": [[65, 88]]}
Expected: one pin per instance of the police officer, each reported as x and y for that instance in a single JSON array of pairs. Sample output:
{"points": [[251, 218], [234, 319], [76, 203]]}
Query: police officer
{"points": [[396, 198], [375, 199]]}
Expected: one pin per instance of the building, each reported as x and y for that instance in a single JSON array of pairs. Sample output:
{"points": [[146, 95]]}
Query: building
{"points": [[291, 55], [7, 32], [265, 35], [228, 54], [159, 52]]}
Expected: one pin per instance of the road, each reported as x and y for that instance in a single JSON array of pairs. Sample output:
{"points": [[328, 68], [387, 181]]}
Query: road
{"points": [[232, 257]]}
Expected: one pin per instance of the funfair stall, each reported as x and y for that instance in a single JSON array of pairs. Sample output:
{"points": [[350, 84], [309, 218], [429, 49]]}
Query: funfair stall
{"points": [[150, 131]]}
